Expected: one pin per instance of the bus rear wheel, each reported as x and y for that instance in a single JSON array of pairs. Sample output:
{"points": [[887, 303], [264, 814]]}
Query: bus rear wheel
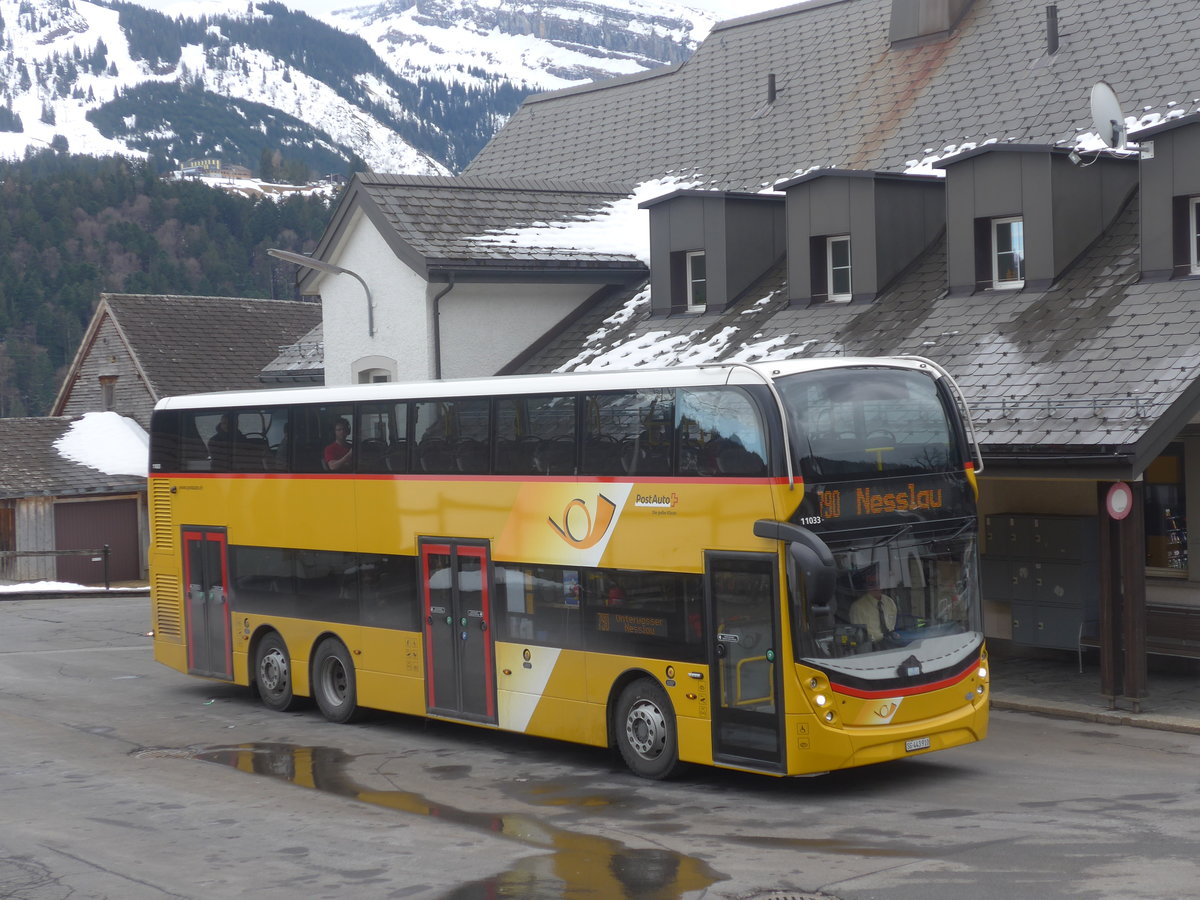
{"points": [[645, 726], [273, 674], [334, 686]]}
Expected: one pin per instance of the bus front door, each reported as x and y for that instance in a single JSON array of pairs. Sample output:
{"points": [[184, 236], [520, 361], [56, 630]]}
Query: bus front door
{"points": [[460, 675], [206, 574], [743, 598]]}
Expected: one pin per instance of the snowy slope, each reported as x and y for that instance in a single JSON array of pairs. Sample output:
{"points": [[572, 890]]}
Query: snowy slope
{"points": [[49, 79]]}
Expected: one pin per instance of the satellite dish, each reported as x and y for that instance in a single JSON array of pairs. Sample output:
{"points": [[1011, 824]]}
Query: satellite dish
{"points": [[1107, 118]]}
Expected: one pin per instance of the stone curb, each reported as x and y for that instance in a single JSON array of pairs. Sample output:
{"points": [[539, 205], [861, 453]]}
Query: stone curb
{"points": [[1099, 716], [80, 595]]}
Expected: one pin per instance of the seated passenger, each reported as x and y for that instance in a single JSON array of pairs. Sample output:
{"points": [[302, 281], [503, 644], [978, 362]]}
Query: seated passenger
{"points": [[339, 456]]}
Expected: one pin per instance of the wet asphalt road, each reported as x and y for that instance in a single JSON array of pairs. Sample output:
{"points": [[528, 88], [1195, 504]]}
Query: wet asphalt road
{"points": [[122, 779]]}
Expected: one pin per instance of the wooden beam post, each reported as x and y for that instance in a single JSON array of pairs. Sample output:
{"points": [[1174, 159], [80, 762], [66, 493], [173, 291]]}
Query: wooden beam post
{"points": [[1108, 603], [1133, 598]]}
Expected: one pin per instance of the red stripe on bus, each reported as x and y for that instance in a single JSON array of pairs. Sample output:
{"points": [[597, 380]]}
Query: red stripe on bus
{"points": [[567, 479], [904, 692]]}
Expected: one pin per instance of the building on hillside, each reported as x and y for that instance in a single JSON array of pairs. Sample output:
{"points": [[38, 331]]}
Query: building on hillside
{"points": [[139, 348], [866, 177], [50, 504], [204, 166]]}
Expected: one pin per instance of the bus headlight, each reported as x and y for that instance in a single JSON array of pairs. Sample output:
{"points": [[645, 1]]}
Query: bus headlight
{"points": [[829, 716], [820, 700], [982, 672]]}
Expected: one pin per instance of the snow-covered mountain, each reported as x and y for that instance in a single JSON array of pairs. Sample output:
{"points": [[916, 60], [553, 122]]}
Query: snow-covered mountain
{"points": [[547, 45], [408, 86]]}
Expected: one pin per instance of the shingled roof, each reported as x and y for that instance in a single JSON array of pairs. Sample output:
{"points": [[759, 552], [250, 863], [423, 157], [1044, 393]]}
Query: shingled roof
{"points": [[846, 98], [467, 225], [1101, 368], [191, 344], [32, 466]]}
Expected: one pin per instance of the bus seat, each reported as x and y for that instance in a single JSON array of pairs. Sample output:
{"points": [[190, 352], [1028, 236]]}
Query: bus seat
{"points": [[556, 457], [436, 457], [735, 460], [310, 457], [371, 455], [601, 456], [471, 457], [397, 456], [516, 457], [250, 454], [508, 461], [689, 457]]}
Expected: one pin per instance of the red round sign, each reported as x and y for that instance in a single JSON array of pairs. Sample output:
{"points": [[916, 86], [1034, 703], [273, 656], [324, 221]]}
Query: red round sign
{"points": [[1120, 500]]}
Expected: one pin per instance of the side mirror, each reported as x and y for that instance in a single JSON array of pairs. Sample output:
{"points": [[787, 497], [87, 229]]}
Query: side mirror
{"points": [[809, 556], [819, 577]]}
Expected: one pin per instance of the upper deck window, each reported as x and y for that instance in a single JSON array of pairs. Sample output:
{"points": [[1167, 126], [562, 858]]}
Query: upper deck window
{"points": [[864, 423]]}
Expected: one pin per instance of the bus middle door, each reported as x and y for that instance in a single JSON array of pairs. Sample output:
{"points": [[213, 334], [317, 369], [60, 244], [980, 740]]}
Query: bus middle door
{"points": [[206, 574], [460, 672]]}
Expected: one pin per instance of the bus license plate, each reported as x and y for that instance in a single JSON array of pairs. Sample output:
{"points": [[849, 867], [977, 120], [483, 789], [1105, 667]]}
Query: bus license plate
{"points": [[917, 744]]}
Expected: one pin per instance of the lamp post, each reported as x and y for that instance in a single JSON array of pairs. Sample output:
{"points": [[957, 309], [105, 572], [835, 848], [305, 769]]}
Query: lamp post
{"points": [[329, 269]]}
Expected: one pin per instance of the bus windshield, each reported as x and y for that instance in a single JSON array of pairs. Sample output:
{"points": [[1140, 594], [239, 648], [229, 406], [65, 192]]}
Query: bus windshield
{"points": [[864, 423], [896, 594]]}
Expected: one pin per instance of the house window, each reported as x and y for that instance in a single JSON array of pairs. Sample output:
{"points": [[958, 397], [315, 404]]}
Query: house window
{"points": [[108, 392], [837, 268], [1194, 234], [1166, 513], [1008, 253], [373, 376], [697, 281]]}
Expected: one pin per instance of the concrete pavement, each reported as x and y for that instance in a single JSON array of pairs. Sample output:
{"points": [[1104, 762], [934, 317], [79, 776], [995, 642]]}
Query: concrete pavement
{"points": [[1050, 683]]}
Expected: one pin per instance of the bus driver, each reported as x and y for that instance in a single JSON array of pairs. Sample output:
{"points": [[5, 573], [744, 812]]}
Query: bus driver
{"points": [[874, 610]]}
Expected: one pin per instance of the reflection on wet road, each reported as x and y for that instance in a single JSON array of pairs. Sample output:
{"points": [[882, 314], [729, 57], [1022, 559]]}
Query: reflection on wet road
{"points": [[580, 866]]}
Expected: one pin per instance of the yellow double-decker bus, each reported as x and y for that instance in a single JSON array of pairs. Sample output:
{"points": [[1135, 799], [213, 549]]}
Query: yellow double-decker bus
{"points": [[766, 567]]}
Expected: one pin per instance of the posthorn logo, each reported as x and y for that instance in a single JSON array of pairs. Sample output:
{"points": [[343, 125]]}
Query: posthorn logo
{"points": [[579, 528]]}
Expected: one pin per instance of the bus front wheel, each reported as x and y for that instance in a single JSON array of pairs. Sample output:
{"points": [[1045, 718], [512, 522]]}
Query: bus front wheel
{"points": [[273, 674], [646, 733], [334, 686]]}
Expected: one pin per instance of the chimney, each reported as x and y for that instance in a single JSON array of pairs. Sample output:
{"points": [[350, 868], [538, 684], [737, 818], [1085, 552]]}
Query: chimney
{"points": [[925, 20], [1052, 28], [771, 91]]}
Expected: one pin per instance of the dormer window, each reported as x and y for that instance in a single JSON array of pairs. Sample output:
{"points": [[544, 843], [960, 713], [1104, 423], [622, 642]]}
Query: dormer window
{"points": [[1008, 253], [837, 268], [697, 281], [1194, 234]]}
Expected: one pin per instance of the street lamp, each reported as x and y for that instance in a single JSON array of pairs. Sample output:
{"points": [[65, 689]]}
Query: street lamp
{"points": [[329, 269]]}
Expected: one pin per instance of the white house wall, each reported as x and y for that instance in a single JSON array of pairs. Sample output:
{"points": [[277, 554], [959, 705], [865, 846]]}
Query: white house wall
{"points": [[401, 322], [484, 326]]}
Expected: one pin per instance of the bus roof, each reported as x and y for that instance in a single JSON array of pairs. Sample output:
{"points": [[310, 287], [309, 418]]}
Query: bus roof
{"points": [[555, 383]]}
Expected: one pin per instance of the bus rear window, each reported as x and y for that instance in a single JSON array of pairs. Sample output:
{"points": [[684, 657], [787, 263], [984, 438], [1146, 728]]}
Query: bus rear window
{"points": [[861, 423]]}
